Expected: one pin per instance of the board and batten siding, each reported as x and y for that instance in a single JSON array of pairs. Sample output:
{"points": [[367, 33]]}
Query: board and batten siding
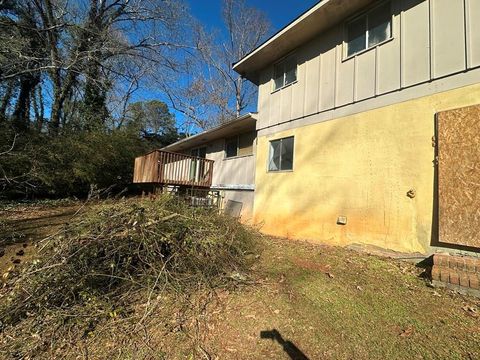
{"points": [[237, 172], [432, 39]]}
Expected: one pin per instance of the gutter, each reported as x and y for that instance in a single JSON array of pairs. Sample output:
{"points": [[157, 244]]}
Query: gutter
{"points": [[209, 131]]}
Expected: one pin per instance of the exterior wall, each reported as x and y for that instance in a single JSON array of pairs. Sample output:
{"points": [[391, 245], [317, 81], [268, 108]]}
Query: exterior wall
{"points": [[245, 197], [432, 39], [232, 172], [235, 177], [359, 166]]}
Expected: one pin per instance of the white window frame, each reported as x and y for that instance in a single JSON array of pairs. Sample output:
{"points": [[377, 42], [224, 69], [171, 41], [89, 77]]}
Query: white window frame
{"points": [[270, 155], [283, 63], [366, 15]]}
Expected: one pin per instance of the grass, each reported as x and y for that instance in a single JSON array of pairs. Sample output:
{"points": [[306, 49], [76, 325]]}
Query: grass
{"points": [[362, 307], [319, 301]]}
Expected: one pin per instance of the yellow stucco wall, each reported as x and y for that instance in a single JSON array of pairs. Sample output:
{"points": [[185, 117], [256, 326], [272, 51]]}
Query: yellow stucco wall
{"points": [[362, 167]]}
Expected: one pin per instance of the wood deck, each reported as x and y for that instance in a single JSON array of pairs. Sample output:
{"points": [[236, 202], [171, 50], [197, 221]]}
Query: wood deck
{"points": [[167, 168]]}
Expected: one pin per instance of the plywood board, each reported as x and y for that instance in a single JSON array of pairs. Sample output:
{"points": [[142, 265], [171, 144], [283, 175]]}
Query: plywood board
{"points": [[458, 133]]}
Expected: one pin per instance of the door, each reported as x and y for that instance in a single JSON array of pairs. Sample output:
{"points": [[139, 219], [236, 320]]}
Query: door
{"points": [[197, 167], [458, 141]]}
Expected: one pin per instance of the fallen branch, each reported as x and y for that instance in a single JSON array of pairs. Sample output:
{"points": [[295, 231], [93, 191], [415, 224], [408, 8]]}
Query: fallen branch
{"points": [[11, 147]]}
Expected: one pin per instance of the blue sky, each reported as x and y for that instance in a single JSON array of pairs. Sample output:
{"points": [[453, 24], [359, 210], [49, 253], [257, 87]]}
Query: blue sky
{"points": [[209, 12], [280, 12]]}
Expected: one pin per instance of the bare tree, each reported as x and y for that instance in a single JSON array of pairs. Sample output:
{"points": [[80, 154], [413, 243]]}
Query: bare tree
{"points": [[211, 92], [246, 28], [90, 45]]}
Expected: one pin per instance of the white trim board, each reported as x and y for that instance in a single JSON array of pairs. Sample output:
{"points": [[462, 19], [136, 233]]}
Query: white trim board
{"points": [[247, 187]]}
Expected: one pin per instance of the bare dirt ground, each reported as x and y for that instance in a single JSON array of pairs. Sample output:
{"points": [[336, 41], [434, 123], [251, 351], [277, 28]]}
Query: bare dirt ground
{"points": [[301, 301], [22, 226]]}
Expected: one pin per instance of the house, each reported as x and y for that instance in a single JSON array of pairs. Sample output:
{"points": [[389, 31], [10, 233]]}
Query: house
{"points": [[221, 160], [367, 128]]}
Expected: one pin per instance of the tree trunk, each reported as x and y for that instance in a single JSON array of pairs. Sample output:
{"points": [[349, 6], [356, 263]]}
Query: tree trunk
{"points": [[21, 114], [55, 111], [238, 97], [37, 102], [6, 99]]}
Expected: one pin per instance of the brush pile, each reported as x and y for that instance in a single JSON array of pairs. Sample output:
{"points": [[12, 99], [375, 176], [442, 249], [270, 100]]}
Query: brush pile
{"points": [[112, 257]]}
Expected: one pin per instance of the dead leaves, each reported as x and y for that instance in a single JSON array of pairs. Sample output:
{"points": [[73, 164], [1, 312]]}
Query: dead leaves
{"points": [[407, 332], [310, 265], [471, 310]]}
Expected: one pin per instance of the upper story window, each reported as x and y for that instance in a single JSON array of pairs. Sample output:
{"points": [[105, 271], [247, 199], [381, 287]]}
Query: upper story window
{"points": [[285, 72], [239, 145], [369, 29], [281, 154]]}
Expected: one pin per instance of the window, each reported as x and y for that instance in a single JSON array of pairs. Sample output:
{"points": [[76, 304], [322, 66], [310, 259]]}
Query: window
{"points": [[281, 155], [231, 147], [369, 29], [199, 152], [285, 72], [240, 145]]}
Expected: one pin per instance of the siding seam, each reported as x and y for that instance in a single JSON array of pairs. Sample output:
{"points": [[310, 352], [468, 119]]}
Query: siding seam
{"points": [[387, 93], [431, 26], [466, 21]]}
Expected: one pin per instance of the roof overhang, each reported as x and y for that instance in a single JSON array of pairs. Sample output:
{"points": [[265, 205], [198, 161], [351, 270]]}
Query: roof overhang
{"points": [[239, 125], [319, 18]]}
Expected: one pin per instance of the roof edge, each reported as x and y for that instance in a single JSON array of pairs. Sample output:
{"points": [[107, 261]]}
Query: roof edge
{"points": [[321, 17], [284, 29], [212, 130]]}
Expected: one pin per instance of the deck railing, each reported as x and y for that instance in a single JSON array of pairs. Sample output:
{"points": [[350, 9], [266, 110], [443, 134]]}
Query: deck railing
{"points": [[167, 168]]}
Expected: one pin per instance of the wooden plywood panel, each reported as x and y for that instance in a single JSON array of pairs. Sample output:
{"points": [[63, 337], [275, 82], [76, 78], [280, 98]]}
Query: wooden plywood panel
{"points": [[415, 32], [459, 176], [448, 37], [365, 75], [473, 28]]}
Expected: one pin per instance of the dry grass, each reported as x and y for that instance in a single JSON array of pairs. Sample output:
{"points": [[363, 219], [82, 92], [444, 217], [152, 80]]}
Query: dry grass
{"points": [[109, 260], [333, 303], [293, 299]]}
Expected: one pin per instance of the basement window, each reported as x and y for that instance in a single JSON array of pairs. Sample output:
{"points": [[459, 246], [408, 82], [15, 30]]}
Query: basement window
{"points": [[281, 155], [239, 145], [285, 73], [369, 29]]}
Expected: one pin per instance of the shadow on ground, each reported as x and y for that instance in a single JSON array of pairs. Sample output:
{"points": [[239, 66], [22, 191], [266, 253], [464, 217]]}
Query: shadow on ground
{"points": [[34, 228], [290, 349]]}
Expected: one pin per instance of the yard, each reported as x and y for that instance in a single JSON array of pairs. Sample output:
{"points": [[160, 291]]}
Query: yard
{"points": [[297, 301]]}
